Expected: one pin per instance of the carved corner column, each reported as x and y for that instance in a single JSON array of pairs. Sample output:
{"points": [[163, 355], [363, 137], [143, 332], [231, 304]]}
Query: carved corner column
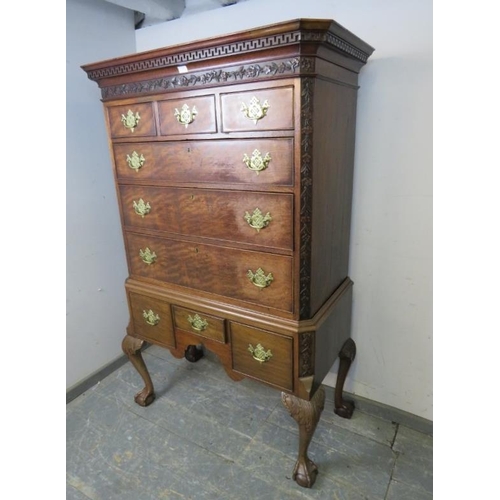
{"points": [[307, 415], [132, 348]]}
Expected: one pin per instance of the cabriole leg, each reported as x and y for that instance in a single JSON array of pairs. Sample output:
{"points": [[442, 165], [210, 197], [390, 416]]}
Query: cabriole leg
{"points": [[306, 414], [132, 348], [347, 354]]}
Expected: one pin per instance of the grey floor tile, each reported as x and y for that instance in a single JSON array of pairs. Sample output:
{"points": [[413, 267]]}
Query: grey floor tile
{"points": [[356, 465], [401, 491], [414, 464], [74, 494]]}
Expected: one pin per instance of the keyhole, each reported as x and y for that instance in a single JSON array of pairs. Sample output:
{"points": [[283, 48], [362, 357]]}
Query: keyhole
{"points": [[189, 150], [196, 250], [192, 197]]}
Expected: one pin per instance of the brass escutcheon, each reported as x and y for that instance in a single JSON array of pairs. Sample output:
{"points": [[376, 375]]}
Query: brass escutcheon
{"points": [[147, 256], [135, 162], [141, 208], [257, 220], [185, 115], [259, 353], [150, 317], [259, 278], [256, 163], [131, 121], [197, 323]]}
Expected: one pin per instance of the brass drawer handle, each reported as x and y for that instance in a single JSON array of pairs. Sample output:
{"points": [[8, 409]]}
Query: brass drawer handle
{"points": [[255, 110], [147, 256], [141, 208], [131, 121], [150, 317], [259, 278], [197, 323], [185, 116], [256, 163], [257, 220], [259, 353], [135, 162]]}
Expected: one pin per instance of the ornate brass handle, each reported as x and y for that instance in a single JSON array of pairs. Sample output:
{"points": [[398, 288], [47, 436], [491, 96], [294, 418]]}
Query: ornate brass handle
{"points": [[131, 121], [256, 163], [150, 317], [259, 353], [255, 110], [147, 256], [135, 162], [185, 115], [141, 208], [197, 323], [257, 220], [259, 278]]}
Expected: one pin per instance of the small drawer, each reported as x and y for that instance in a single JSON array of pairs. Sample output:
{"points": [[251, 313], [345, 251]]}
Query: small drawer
{"points": [[267, 109], [194, 115], [133, 120], [257, 218], [152, 319], [248, 161], [262, 355], [200, 324]]}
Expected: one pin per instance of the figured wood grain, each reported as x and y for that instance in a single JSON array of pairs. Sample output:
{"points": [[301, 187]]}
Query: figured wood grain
{"points": [[203, 122], [277, 370], [214, 269], [214, 330], [217, 161], [211, 214], [279, 114], [163, 332], [146, 126]]}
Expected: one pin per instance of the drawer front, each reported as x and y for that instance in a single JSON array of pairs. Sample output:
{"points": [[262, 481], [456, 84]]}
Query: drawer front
{"points": [[201, 324], [194, 115], [259, 161], [133, 120], [267, 109], [218, 270], [256, 218], [274, 363], [152, 319]]}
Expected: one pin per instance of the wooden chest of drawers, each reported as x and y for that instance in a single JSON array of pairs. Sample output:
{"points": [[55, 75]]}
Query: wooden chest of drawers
{"points": [[233, 160]]}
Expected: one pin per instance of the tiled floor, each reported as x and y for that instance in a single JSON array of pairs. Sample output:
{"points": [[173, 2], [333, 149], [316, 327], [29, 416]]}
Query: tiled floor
{"points": [[207, 437]]}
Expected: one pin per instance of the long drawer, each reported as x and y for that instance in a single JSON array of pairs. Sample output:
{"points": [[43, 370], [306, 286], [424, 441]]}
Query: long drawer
{"points": [[260, 278], [257, 218], [249, 161]]}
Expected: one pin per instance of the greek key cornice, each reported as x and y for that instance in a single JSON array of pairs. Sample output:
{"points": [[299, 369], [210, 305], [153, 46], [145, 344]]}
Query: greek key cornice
{"points": [[228, 49]]}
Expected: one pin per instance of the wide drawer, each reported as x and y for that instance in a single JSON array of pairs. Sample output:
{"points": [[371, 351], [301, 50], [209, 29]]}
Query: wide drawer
{"points": [[252, 161], [257, 110], [201, 324], [152, 319], [132, 120], [193, 115], [257, 218], [223, 271], [263, 355]]}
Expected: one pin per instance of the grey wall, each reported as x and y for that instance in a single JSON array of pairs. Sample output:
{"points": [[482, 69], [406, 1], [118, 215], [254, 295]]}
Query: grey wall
{"points": [[96, 270], [391, 242]]}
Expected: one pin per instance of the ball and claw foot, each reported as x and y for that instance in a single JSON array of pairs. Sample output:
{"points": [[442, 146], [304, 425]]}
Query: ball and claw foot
{"points": [[145, 397], [193, 353], [345, 410], [305, 472]]}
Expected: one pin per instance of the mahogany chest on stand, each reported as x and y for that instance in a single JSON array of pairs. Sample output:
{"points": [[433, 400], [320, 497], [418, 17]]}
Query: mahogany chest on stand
{"points": [[233, 161]]}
